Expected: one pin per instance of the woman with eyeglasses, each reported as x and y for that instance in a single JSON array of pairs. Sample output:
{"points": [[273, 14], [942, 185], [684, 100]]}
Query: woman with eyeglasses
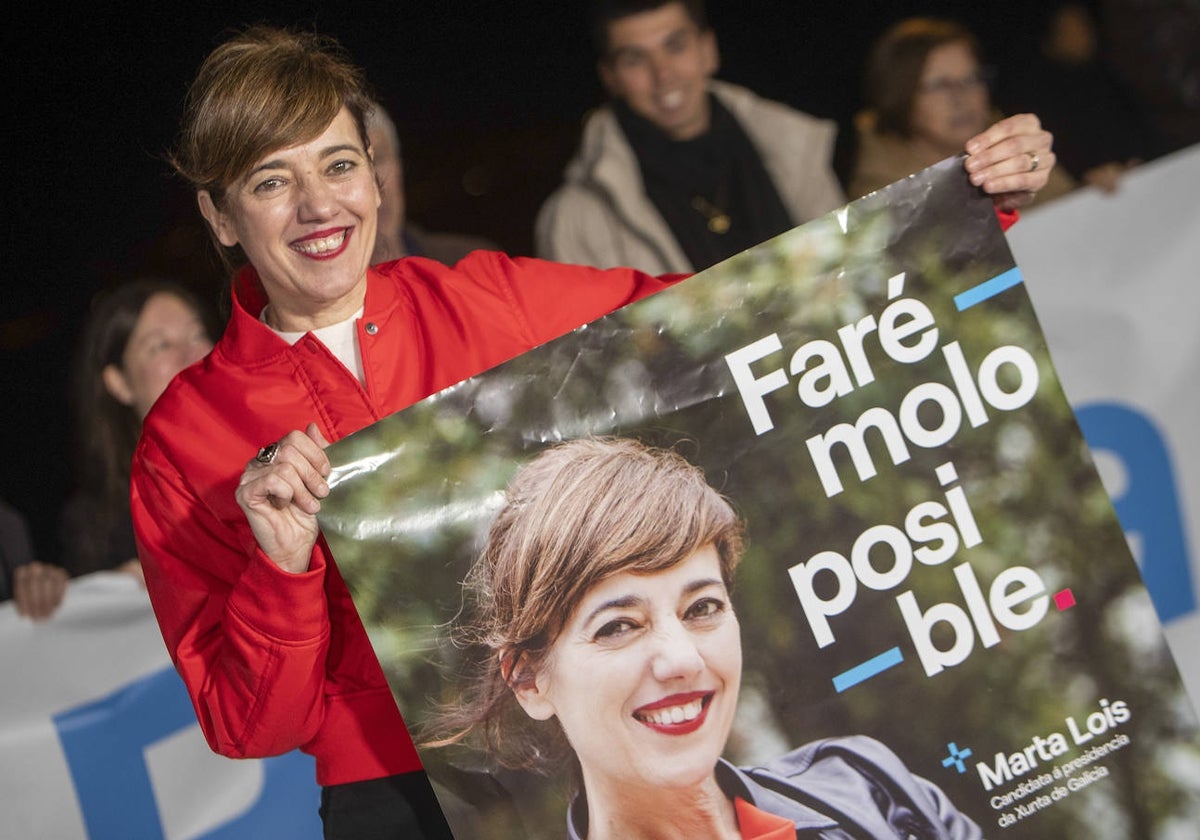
{"points": [[927, 95]]}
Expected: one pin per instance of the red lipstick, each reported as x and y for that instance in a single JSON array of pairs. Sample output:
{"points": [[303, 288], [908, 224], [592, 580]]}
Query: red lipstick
{"points": [[323, 234], [646, 715]]}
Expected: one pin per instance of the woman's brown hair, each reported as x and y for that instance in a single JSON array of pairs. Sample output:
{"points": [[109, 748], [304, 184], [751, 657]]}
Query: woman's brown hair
{"points": [[263, 90]]}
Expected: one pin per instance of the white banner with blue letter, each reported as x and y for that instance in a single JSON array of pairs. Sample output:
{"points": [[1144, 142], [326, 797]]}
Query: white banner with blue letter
{"points": [[99, 740], [1114, 283]]}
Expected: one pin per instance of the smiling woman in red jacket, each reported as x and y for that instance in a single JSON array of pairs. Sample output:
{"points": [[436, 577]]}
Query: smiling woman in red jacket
{"points": [[230, 469], [226, 485]]}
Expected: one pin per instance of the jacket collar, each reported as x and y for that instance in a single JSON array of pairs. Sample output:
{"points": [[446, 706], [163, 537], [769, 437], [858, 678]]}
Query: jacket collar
{"points": [[606, 159], [248, 341], [736, 782]]}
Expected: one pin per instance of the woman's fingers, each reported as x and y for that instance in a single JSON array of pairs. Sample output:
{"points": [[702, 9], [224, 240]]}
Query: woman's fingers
{"points": [[1011, 160], [38, 589], [988, 142], [278, 486], [295, 474], [314, 433], [280, 492]]}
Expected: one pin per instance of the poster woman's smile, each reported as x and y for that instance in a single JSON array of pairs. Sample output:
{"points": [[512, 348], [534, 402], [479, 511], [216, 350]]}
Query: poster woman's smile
{"points": [[677, 714]]}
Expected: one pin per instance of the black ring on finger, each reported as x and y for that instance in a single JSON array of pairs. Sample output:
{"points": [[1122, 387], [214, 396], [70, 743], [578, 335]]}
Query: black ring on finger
{"points": [[267, 454]]}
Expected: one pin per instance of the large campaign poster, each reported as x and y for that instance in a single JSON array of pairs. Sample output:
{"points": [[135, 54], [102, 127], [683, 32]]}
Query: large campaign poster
{"points": [[930, 560]]}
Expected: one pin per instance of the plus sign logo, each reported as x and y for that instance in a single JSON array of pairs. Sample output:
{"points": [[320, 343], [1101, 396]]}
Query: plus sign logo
{"points": [[956, 757]]}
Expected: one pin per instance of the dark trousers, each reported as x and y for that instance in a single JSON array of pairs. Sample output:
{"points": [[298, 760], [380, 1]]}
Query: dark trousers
{"points": [[399, 807]]}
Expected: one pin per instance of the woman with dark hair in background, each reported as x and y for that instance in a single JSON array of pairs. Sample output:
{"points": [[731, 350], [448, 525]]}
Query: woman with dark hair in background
{"points": [[136, 338], [927, 94]]}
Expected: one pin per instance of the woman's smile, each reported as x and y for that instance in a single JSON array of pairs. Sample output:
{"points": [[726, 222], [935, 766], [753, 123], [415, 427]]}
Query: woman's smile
{"points": [[679, 714], [323, 245]]}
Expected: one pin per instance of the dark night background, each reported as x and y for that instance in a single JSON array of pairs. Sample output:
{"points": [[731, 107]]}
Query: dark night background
{"points": [[487, 96]]}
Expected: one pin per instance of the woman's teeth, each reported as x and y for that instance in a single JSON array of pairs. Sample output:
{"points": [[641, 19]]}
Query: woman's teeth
{"points": [[673, 714], [321, 246]]}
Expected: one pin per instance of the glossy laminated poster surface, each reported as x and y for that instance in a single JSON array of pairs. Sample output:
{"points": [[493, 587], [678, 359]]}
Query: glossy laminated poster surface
{"points": [[930, 560]]}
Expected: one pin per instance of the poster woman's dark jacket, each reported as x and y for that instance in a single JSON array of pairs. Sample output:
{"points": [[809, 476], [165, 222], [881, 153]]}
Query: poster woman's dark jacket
{"points": [[838, 789]]}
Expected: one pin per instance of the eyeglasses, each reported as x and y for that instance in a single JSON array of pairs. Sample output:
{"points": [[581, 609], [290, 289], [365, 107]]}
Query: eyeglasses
{"points": [[964, 84]]}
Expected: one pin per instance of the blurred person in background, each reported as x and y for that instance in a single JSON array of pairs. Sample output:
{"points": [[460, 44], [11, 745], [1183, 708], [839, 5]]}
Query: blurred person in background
{"points": [[136, 338], [680, 171], [1098, 131], [1153, 47], [398, 236], [927, 96]]}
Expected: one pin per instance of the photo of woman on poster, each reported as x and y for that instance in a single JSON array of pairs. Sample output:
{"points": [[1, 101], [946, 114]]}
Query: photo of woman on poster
{"points": [[605, 639]]}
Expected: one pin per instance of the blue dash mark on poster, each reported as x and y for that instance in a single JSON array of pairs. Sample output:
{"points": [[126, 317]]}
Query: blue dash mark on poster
{"points": [[873, 666], [988, 289]]}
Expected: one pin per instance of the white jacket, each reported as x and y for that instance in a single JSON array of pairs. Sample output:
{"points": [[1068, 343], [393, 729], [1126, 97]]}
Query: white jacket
{"points": [[602, 216]]}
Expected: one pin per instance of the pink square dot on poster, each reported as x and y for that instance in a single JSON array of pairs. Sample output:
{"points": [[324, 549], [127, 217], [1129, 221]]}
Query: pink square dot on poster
{"points": [[1064, 600]]}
